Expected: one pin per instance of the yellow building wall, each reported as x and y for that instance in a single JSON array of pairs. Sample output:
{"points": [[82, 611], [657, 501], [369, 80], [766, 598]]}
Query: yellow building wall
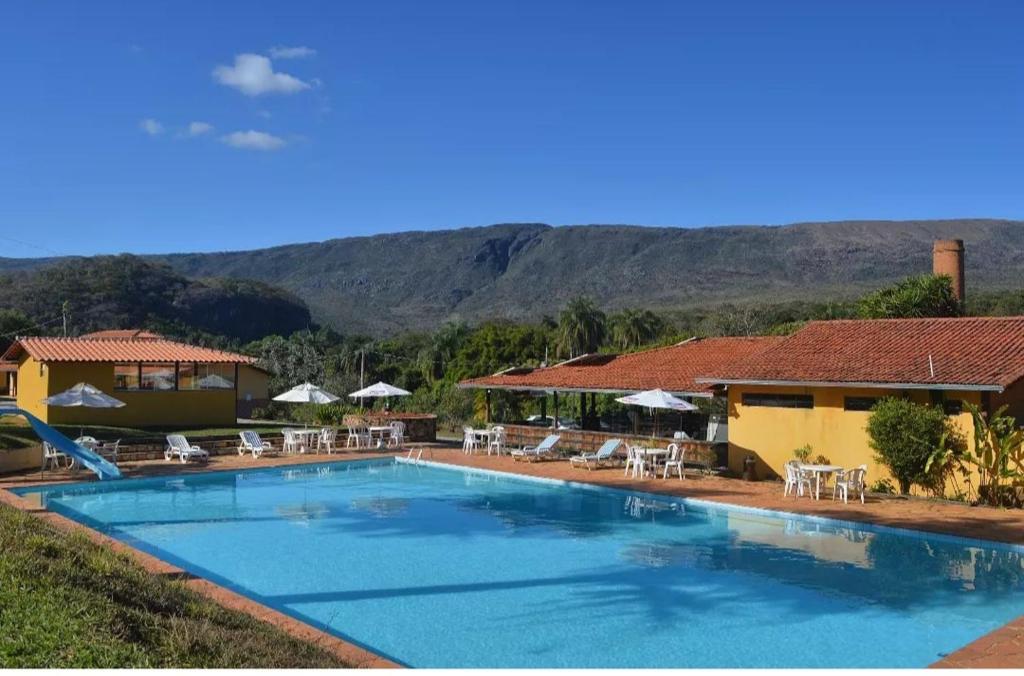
{"points": [[252, 384], [32, 378], [771, 434], [141, 409]]}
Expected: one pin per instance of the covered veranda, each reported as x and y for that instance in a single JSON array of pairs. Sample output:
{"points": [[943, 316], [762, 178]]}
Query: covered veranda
{"points": [[576, 397]]}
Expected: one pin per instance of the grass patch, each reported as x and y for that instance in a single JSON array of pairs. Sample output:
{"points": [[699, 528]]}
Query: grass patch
{"points": [[68, 602]]}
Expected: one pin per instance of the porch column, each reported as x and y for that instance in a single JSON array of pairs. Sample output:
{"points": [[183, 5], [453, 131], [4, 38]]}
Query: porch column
{"points": [[487, 399], [554, 423]]}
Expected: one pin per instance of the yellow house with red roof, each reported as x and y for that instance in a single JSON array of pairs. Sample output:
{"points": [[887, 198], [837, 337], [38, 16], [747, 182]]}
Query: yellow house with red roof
{"points": [[162, 382], [817, 386]]}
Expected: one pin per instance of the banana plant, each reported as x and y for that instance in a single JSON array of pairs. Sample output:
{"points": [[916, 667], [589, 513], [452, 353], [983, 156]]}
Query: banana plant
{"points": [[998, 452]]}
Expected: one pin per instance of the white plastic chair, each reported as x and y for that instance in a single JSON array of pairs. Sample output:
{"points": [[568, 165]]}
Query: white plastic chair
{"points": [[51, 456], [292, 442], [325, 441], [397, 436], [468, 440], [358, 436], [851, 480], [636, 462], [796, 479], [177, 445], [497, 441], [108, 451], [676, 454]]}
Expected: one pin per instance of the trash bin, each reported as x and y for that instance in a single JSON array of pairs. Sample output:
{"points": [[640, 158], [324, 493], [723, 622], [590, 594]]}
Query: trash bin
{"points": [[749, 465]]}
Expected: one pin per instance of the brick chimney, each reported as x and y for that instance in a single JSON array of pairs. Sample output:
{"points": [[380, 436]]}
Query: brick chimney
{"points": [[948, 259]]}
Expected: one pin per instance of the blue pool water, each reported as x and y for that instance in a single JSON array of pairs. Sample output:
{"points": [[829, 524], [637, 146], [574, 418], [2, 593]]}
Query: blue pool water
{"points": [[441, 567]]}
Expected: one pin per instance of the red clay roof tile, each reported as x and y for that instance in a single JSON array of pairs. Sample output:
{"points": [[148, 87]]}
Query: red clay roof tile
{"points": [[118, 349], [672, 368], [969, 351]]}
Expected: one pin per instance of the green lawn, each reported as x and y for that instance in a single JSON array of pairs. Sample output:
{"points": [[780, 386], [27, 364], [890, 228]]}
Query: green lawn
{"points": [[15, 432], [67, 602]]}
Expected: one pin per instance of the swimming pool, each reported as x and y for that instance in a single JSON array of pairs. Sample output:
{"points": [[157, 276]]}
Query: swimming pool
{"points": [[446, 567]]}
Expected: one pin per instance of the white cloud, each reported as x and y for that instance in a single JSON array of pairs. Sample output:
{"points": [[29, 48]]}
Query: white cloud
{"points": [[253, 75], [151, 126], [198, 128], [280, 52], [254, 140]]}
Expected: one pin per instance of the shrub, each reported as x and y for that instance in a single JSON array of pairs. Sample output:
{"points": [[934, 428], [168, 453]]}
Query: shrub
{"points": [[904, 436], [332, 414], [803, 453]]}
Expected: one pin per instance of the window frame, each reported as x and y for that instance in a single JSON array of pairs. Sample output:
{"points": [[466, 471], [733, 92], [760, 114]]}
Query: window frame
{"points": [[858, 409], [776, 400]]}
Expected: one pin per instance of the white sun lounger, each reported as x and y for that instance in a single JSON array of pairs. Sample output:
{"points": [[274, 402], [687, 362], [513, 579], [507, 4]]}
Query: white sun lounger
{"points": [[542, 450], [177, 445], [251, 442], [605, 454]]}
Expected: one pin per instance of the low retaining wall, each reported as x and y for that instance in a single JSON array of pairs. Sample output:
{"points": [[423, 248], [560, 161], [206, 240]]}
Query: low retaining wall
{"points": [[586, 441], [419, 427]]}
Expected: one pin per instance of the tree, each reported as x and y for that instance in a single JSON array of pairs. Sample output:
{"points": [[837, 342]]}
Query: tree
{"points": [[905, 435], [631, 329], [440, 351], [582, 328], [921, 296]]}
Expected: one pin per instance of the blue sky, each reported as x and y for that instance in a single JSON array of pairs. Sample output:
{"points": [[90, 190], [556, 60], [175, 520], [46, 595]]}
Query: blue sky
{"points": [[428, 115]]}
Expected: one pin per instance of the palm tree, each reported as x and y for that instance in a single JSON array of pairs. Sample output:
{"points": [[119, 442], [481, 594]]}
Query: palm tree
{"points": [[582, 328], [441, 349], [632, 328]]}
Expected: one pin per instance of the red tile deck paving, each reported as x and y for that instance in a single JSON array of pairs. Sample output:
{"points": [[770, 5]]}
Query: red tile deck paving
{"points": [[1003, 648]]}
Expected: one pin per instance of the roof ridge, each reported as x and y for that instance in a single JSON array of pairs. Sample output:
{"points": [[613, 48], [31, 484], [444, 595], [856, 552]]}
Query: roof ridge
{"points": [[894, 320]]}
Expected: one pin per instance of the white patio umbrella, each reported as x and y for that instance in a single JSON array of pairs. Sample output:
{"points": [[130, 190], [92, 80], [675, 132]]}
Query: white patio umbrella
{"points": [[83, 395], [656, 400], [307, 393], [379, 389]]}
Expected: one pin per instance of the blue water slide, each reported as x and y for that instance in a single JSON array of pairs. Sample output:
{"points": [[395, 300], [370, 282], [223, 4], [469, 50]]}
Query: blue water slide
{"points": [[103, 468]]}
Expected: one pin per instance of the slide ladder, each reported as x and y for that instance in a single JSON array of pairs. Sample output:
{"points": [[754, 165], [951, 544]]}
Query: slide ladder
{"points": [[103, 468]]}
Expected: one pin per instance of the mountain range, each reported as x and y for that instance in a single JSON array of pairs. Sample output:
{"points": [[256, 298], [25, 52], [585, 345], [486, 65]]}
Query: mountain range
{"points": [[388, 283]]}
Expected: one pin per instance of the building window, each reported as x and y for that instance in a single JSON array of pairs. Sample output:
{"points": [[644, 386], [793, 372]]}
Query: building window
{"points": [[778, 400], [126, 376], [953, 406], [859, 403], [158, 377], [215, 376]]}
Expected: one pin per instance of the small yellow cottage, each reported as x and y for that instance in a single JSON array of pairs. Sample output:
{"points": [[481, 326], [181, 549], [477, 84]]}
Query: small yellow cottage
{"points": [[817, 386], [161, 382]]}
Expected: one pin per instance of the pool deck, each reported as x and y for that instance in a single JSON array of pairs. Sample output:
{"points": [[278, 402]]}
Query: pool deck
{"points": [[1003, 648]]}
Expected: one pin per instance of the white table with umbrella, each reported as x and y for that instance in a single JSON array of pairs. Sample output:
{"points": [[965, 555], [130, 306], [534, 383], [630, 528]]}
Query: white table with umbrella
{"points": [[307, 393], [375, 391], [83, 395], [656, 400]]}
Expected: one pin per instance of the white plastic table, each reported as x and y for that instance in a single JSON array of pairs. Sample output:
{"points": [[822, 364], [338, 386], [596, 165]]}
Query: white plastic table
{"points": [[819, 471], [306, 438], [381, 431], [654, 454]]}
